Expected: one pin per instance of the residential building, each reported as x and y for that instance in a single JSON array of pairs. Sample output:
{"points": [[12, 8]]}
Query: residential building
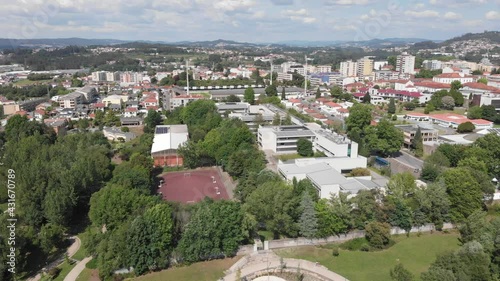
{"points": [[113, 76], [71, 100], [432, 64], [114, 99], [323, 68], [409, 132], [283, 76], [379, 65], [348, 68], [131, 121], [405, 63], [130, 112], [365, 67], [299, 69], [166, 141], [182, 100], [99, 76]]}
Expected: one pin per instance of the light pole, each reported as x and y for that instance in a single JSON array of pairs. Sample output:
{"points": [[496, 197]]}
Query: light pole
{"points": [[271, 71], [305, 77], [187, 76]]}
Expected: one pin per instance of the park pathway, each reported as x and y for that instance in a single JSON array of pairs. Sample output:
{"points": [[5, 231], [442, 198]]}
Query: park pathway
{"points": [[80, 266], [70, 252], [263, 262]]}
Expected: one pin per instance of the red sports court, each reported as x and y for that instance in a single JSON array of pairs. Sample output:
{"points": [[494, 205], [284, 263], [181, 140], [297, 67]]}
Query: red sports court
{"points": [[193, 186]]}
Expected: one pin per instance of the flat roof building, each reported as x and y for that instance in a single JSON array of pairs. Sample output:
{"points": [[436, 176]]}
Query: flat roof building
{"points": [[166, 141]]}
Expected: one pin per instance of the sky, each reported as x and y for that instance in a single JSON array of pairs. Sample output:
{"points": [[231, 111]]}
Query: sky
{"points": [[261, 21]]}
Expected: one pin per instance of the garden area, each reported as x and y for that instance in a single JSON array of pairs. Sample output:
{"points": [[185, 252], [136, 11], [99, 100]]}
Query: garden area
{"points": [[416, 253]]}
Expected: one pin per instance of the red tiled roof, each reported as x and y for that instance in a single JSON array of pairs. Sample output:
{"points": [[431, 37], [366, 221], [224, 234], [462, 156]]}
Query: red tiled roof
{"points": [[430, 84], [99, 105], [357, 84], [481, 86], [39, 111], [294, 100], [458, 119], [417, 114], [332, 104], [401, 93], [322, 99], [308, 110], [451, 75], [130, 109], [343, 110]]}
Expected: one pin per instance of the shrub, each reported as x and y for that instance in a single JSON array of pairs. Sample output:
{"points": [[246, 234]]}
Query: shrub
{"points": [[125, 129], [378, 234], [335, 252], [394, 117], [54, 272], [354, 244], [365, 248], [466, 127], [359, 172]]}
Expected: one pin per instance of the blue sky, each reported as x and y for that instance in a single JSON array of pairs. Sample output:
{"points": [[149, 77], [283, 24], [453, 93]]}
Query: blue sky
{"points": [[246, 20]]}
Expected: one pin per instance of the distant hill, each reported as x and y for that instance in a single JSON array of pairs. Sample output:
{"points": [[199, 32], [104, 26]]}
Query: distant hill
{"points": [[214, 43], [55, 42], [493, 36], [373, 43]]}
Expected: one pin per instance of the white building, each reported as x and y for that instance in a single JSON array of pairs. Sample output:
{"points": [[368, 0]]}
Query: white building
{"points": [[405, 63], [283, 139], [448, 78], [166, 141], [326, 174], [282, 76], [379, 64], [432, 64], [348, 68], [324, 68]]}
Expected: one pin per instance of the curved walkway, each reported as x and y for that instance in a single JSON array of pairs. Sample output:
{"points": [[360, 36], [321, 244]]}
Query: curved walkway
{"points": [[267, 262], [80, 266], [71, 251]]}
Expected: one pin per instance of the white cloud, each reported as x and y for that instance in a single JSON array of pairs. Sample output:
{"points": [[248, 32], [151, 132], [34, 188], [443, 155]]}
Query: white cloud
{"points": [[433, 2], [301, 15], [348, 2], [493, 15], [452, 16], [473, 23], [422, 14]]}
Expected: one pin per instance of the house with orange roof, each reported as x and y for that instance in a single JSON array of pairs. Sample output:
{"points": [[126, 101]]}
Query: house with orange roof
{"points": [[430, 86], [453, 120]]}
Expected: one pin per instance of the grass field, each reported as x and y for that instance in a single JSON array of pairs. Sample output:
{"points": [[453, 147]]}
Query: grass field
{"points": [[26, 82], [80, 254], [415, 253], [85, 275], [3, 207], [496, 126], [202, 271]]}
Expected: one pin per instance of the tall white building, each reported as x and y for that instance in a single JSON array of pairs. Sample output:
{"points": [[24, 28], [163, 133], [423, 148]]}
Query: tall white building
{"points": [[405, 63], [324, 68], [348, 68], [432, 64]]}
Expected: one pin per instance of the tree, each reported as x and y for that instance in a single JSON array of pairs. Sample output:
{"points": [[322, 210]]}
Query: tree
{"points": [[401, 185], [360, 116], [277, 119], [214, 231], [448, 102], [233, 98], [457, 97], [367, 98], [400, 273], [483, 80], [308, 225], [283, 93], [304, 147], [336, 91], [434, 203], [409, 105], [475, 112], [466, 127], [378, 234], [152, 120], [456, 85], [125, 129], [401, 216], [392, 106], [249, 95], [384, 138], [464, 193], [418, 144], [318, 93], [488, 112], [271, 90]]}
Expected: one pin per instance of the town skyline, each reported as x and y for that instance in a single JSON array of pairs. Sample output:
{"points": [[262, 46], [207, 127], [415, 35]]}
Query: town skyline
{"points": [[247, 20]]}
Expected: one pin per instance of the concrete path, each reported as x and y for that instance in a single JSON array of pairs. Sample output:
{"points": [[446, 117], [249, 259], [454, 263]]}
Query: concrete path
{"points": [[267, 261], [70, 251], [80, 266]]}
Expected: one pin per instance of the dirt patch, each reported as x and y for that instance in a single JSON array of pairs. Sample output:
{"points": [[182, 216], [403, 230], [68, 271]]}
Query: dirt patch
{"points": [[95, 275]]}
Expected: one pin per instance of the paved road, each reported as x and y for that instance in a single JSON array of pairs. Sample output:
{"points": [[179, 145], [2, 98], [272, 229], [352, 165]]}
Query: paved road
{"points": [[80, 266], [409, 160]]}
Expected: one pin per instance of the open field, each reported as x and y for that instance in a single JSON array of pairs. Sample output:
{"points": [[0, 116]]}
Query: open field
{"points": [[202, 271], [26, 82], [460, 111], [415, 253]]}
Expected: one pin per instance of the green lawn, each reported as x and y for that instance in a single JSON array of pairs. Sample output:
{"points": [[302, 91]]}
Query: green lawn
{"points": [[496, 126], [80, 254], [202, 271], [3, 207], [415, 253], [65, 269], [27, 82], [85, 275]]}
